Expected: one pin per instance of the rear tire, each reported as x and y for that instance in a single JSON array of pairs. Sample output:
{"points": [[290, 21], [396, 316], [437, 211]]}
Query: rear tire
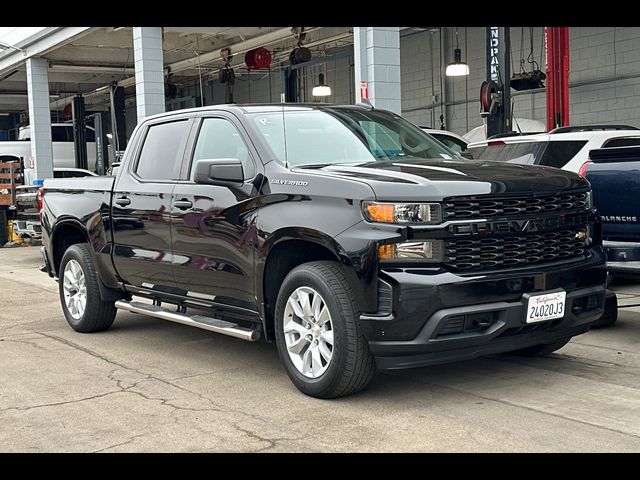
{"points": [[610, 315], [79, 292], [542, 350], [343, 365]]}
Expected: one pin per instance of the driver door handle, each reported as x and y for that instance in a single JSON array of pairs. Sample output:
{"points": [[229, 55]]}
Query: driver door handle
{"points": [[123, 201], [183, 204]]}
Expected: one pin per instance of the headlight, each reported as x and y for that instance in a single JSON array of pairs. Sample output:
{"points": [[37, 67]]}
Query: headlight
{"points": [[426, 213], [431, 251]]}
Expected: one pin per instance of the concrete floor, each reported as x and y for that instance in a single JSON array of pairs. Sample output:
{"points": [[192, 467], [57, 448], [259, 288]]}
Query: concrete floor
{"points": [[149, 385]]}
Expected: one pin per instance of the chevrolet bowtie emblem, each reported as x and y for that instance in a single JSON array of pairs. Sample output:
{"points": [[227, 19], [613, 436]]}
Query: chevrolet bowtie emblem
{"points": [[528, 226], [581, 234]]}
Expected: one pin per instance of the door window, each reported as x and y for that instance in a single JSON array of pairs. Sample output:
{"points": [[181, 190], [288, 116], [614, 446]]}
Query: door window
{"points": [[62, 134], [162, 151], [219, 138]]}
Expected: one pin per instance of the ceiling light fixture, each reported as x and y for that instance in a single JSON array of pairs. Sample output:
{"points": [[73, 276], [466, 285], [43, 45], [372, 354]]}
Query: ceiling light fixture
{"points": [[321, 90], [458, 68]]}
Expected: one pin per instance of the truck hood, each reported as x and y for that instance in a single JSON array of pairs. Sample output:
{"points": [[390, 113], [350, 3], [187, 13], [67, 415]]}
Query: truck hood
{"points": [[420, 180]]}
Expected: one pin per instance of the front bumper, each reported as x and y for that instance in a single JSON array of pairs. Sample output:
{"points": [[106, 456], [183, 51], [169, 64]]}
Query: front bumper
{"points": [[505, 330], [439, 317], [623, 257]]}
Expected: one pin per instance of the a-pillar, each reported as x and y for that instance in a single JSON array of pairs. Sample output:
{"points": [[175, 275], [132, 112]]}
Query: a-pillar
{"points": [[39, 118], [149, 68], [377, 61]]}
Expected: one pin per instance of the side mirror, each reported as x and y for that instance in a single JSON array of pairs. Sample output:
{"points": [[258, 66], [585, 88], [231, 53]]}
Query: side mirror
{"points": [[219, 171], [466, 155]]}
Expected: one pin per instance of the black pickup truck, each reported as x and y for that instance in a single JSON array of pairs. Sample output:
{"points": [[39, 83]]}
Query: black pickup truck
{"points": [[344, 234]]}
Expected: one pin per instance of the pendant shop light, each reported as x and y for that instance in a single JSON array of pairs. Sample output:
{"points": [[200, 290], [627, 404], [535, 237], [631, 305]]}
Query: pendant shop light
{"points": [[321, 90], [458, 68]]}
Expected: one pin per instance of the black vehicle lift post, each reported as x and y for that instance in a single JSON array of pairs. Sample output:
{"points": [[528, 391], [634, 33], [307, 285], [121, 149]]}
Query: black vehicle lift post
{"points": [[79, 132], [499, 72], [102, 145]]}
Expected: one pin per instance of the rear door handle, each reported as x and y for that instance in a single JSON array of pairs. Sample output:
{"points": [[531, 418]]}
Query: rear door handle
{"points": [[123, 201], [183, 204]]}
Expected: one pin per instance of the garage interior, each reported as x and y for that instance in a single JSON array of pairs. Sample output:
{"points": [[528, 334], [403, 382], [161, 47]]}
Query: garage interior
{"points": [[183, 389], [603, 83]]}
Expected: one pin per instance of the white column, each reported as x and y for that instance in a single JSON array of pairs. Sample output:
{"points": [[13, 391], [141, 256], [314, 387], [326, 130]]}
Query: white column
{"points": [[147, 51], [39, 118], [377, 60]]}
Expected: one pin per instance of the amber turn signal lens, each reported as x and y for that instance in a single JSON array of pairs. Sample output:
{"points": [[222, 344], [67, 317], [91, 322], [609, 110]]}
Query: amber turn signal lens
{"points": [[387, 252], [381, 212]]}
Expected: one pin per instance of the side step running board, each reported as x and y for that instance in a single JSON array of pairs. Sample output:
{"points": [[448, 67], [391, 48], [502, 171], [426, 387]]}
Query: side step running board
{"points": [[198, 321]]}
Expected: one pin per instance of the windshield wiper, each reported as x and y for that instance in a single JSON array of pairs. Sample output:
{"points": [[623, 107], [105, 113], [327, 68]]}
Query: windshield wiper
{"points": [[313, 165], [389, 155]]}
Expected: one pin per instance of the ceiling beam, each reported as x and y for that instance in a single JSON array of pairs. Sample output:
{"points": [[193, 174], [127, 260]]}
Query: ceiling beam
{"points": [[51, 38], [90, 69]]}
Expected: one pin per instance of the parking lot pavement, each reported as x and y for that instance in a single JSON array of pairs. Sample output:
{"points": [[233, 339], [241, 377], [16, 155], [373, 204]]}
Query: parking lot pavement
{"points": [[149, 385]]}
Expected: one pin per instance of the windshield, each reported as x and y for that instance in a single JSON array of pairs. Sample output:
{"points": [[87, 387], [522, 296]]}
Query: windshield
{"points": [[341, 136]]}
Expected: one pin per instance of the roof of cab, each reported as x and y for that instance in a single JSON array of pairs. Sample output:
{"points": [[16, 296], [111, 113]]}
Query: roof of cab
{"points": [[260, 107]]}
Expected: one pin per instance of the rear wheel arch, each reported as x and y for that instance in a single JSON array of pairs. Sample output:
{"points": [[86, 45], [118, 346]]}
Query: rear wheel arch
{"points": [[63, 236], [67, 234]]}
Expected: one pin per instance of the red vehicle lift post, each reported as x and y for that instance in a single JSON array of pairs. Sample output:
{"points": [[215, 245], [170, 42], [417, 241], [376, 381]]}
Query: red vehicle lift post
{"points": [[557, 66]]}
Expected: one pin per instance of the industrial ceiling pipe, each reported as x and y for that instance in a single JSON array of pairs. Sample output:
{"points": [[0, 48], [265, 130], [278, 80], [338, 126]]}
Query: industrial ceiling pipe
{"points": [[236, 49]]}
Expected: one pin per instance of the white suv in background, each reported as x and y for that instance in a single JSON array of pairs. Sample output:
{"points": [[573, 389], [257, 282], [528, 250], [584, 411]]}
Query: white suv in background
{"points": [[565, 147], [452, 140]]}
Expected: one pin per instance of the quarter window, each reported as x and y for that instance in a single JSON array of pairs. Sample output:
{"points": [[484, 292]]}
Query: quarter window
{"points": [[558, 153]]}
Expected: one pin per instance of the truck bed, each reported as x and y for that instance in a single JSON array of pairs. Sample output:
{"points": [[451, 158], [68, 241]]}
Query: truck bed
{"points": [[615, 179]]}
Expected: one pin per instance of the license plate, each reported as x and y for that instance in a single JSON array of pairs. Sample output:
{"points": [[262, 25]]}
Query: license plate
{"points": [[546, 307]]}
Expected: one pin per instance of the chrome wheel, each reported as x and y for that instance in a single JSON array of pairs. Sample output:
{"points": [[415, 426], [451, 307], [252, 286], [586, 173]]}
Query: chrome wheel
{"points": [[75, 289], [308, 332]]}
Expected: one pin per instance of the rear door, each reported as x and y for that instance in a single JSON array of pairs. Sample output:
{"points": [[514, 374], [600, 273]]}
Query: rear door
{"points": [[142, 202], [213, 227]]}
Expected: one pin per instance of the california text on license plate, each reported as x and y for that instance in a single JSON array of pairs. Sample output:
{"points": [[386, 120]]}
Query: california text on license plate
{"points": [[546, 307]]}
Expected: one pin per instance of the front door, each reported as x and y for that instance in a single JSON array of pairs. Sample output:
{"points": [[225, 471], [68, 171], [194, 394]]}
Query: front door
{"points": [[213, 227], [141, 206]]}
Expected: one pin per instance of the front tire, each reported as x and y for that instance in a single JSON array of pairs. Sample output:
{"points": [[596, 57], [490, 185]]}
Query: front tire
{"points": [[319, 339], [79, 292]]}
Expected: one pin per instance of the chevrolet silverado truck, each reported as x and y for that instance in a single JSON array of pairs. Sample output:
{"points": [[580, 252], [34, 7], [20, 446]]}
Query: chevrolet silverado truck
{"points": [[344, 234]]}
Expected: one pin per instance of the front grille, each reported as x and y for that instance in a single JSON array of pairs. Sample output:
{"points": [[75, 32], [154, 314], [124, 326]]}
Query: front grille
{"points": [[468, 255], [493, 207]]}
